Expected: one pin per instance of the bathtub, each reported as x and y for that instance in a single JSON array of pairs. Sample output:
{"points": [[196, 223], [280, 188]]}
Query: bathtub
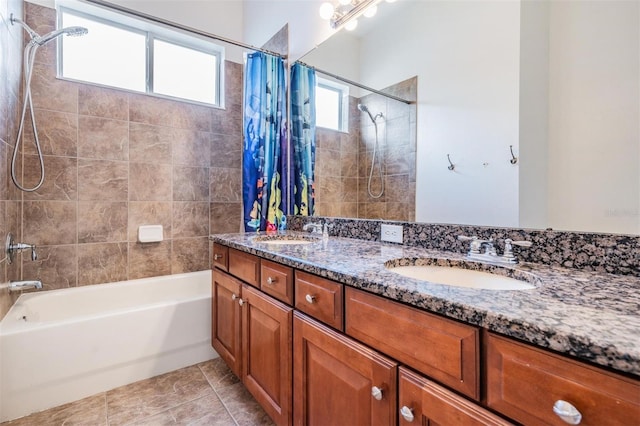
{"points": [[63, 345]]}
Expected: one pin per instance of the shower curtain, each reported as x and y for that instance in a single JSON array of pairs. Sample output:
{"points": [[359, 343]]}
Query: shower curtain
{"points": [[264, 149], [303, 138]]}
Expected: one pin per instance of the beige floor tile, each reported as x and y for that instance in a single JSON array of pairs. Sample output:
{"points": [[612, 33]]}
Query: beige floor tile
{"points": [[88, 411], [241, 405], [137, 401], [218, 373]]}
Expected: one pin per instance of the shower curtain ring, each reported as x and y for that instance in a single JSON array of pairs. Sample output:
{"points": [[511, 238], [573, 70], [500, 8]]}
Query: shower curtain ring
{"points": [[451, 165]]}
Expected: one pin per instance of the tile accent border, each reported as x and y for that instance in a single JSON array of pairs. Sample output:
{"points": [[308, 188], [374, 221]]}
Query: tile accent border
{"points": [[609, 253]]}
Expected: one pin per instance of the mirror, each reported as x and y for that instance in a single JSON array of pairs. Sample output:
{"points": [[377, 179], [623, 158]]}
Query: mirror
{"points": [[556, 83]]}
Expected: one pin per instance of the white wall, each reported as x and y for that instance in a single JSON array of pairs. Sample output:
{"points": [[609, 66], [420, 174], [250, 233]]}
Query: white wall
{"points": [[594, 130], [467, 105]]}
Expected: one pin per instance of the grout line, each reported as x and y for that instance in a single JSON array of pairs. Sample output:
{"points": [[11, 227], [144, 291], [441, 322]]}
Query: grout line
{"points": [[219, 397]]}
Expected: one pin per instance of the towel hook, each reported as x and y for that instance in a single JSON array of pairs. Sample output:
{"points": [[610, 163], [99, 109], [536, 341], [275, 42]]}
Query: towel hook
{"points": [[451, 165], [514, 159]]}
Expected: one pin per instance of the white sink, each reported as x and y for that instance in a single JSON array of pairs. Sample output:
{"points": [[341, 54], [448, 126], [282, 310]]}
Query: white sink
{"points": [[284, 239], [459, 277]]}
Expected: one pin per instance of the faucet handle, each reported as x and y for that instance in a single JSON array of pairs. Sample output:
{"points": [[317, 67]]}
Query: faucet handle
{"points": [[507, 255], [519, 243]]}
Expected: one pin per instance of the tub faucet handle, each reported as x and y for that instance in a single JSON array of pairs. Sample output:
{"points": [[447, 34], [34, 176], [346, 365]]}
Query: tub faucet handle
{"points": [[12, 248]]}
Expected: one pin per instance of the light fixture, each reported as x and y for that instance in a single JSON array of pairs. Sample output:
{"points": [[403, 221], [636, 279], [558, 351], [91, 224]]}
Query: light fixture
{"points": [[346, 12]]}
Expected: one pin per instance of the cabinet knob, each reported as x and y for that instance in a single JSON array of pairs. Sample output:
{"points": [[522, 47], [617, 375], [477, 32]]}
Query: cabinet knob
{"points": [[241, 302], [234, 296], [567, 412], [376, 392], [217, 256], [310, 298], [406, 413], [271, 280]]}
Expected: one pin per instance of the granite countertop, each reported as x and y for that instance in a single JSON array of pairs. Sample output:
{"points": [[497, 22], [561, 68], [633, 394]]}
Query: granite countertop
{"points": [[592, 316]]}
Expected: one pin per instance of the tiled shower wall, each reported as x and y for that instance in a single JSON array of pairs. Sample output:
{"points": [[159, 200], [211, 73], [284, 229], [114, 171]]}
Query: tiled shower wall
{"points": [[10, 66], [343, 160], [116, 160]]}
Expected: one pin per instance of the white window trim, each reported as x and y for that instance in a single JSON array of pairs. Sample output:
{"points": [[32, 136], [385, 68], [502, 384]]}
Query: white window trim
{"points": [[152, 31], [343, 90]]}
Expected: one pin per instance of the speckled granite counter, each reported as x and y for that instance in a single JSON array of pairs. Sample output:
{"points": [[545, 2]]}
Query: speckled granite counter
{"points": [[592, 316]]}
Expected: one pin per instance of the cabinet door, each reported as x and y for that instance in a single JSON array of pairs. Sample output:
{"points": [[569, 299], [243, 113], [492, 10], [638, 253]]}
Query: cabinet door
{"points": [[225, 313], [338, 381], [267, 349], [423, 402]]}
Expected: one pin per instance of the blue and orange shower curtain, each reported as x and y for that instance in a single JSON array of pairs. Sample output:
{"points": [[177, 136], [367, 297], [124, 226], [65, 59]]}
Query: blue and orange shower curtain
{"points": [[303, 138], [265, 144]]}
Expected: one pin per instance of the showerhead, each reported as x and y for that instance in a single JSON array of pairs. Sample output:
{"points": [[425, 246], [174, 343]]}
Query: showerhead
{"points": [[41, 40], [364, 108]]}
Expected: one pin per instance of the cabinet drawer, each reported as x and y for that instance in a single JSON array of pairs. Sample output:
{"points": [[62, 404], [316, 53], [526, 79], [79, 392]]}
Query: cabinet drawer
{"points": [[245, 266], [321, 298], [221, 257], [443, 349], [429, 403], [277, 281], [524, 383]]}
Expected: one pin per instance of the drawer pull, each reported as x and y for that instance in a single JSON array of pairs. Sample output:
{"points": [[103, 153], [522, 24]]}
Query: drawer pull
{"points": [[567, 412], [234, 296], [241, 302], [310, 298], [218, 256], [376, 392], [271, 280], [406, 413]]}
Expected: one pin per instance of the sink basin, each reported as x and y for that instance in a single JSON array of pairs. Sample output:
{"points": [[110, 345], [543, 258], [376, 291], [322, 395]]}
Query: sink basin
{"points": [[285, 239], [460, 277]]}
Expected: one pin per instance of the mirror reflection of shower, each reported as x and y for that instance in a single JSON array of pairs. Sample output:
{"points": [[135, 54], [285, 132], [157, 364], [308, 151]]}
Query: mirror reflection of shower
{"points": [[30, 49], [376, 148]]}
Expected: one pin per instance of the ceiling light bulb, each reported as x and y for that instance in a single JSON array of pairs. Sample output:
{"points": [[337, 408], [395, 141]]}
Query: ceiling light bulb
{"points": [[351, 25], [391, 1], [344, 2], [371, 11], [326, 10]]}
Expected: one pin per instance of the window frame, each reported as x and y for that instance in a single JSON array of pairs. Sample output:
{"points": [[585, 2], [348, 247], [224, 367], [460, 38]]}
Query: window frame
{"points": [[151, 31], [343, 107]]}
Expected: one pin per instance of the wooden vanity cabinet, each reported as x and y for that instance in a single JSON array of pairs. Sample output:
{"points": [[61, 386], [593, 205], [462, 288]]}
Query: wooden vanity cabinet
{"points": [[524, 383], [321, 298], [444, 349], [221, 257], [244, 266], [337, 380], [277, 280], [253, 334], [423, 402]]}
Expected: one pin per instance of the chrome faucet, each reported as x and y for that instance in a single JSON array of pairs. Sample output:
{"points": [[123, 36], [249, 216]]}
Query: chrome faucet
{"points": [[12, 248], [485, 249], [315, 227], [24, 285]]}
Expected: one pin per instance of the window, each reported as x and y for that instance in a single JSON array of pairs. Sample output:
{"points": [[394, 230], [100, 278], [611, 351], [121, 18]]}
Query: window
{"points": [[123, 52], [332, 101]]}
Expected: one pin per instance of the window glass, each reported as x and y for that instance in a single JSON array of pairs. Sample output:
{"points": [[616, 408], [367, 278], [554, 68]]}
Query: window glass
{"points": [[332, 104], [183, 72]]}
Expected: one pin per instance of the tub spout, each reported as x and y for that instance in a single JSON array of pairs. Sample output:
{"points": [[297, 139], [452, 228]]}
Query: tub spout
{"points": [[23, 285]]}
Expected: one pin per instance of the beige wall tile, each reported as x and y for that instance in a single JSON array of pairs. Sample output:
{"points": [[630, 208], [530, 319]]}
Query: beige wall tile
{"points": [[102, 221], [226, 151], [48, 92], [225, 217], [57, 133], [103, 138], [149, 259], [150, 182], [190, 219], [50, 222], [190, 183], [191, 148], [60, 182], [149, 213], [150, 144], [102, 263], [102, 102], [226, 185], [190, 255], [223, 123], [56, 266], [165, 112], [102, 180]]}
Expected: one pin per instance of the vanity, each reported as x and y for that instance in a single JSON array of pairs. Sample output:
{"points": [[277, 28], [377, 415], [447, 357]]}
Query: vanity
{"points": [[323, 331]]}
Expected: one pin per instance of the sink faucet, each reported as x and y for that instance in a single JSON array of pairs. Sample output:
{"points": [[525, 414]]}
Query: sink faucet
{"points": [[485, 249], [315, 227], [23, 285]]}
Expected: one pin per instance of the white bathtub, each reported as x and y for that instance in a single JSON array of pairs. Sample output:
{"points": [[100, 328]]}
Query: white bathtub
{"points": [[63, 345]]}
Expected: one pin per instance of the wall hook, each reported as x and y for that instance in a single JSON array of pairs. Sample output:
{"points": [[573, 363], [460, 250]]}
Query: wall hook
{"points": [[451, 165], [514, 159]]}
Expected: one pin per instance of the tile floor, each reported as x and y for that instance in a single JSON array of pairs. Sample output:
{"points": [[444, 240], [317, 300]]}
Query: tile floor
{"points": [[203, 394]]}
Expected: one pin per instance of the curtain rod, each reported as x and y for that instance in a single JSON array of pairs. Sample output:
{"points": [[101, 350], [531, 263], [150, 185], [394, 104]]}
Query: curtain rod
{"points": [[353, 83], [157, 20]]}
